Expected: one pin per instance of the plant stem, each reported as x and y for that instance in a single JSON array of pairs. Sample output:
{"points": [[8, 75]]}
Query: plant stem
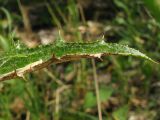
{"points": [[97, 89]]}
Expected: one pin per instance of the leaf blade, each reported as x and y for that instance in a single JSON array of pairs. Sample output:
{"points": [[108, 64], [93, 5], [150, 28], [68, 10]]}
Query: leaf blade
{"points": [[21, 58]]}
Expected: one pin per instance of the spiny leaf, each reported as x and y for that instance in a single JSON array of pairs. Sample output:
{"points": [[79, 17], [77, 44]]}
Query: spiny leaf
{"points": [[28, 58]]}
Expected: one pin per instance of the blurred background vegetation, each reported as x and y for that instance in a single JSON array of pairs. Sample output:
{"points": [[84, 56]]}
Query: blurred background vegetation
{"points": [[129, 88]]}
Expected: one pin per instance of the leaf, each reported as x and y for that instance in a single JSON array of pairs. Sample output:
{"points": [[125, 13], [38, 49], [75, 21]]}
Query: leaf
{"points": [[75, 115], [154, 7], [3, 43], [9, 18], [90, 98], [22, 60], [105, 93], [121, 113]]}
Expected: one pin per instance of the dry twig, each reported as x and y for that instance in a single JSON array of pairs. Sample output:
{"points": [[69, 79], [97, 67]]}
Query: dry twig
{"points": [[97, 90]]}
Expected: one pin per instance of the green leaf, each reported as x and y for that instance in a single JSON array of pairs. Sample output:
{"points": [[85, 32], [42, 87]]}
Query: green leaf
{"points": [[154, 7], [75, 115], [3, 43], [21, 57], [9, 18], [90, 99], [121, 113], [105, 93]]}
